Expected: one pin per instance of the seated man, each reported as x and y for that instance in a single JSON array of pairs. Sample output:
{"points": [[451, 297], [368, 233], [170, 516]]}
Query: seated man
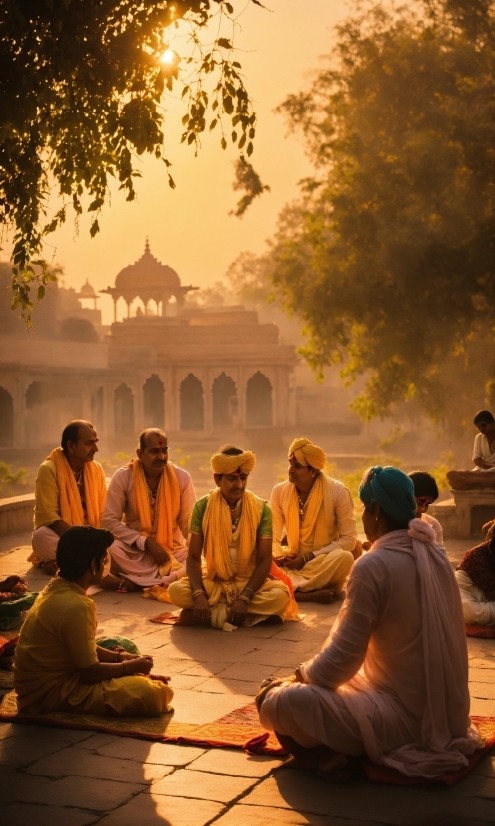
{"points": [[58, 666], [476, 580], [232, 529], [391, 681], [149, 504], [425, 493], [483, 475], [317, 514], [70, 490]]}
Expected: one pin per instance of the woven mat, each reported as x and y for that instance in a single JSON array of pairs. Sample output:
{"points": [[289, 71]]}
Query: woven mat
{"points": [[239, 729], [484, 632]]}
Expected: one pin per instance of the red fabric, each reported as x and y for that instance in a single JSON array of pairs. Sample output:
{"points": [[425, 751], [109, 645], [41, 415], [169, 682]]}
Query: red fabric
{"points": [[485, 632], [277, 573]]}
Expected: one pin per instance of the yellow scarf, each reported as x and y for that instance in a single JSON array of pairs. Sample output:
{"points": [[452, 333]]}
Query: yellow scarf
{"points": [[95, 491], [217, 533], [314, 532], [167, 505]]}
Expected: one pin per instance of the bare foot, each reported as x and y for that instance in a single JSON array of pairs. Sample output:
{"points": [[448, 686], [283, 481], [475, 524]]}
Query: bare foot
{"points": [[186, 617], [334, 768], [50, 567], [117, 583], [324, 596]]}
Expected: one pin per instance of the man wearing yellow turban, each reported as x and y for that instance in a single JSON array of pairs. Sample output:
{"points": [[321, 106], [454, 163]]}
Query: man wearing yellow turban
{"points": [[313, 516], [230, 553]]}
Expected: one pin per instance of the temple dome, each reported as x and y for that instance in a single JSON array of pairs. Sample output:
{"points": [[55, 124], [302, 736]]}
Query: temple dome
{"points": [[87, 291], [146, 274]]}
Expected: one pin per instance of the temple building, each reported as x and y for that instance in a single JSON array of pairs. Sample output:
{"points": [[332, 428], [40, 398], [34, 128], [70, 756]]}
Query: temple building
{"points": [[198, 372]]}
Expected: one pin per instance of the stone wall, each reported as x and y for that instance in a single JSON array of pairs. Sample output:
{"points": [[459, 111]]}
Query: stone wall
{"points": [[16, 514]]}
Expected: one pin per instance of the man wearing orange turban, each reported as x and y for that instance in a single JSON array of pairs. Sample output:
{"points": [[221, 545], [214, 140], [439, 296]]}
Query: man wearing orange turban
{"points": [[230, 553], [313, 515]]}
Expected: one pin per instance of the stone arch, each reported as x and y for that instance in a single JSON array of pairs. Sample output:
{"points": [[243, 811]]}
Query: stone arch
{"points": [[6, 418], [192, 406], [34, 394], [224, 398], [259, 403], [124, 411], [154, 402], [97, 402]]}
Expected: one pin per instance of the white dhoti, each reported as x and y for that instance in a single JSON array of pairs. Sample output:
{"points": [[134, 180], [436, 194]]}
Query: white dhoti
{"points": [[328, 570], [270, 600], [45, 543], [476, 608], [140, 567]]}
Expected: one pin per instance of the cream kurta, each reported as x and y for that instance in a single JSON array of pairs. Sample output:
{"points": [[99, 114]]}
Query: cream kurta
{"points": [[121, 518], [392, 680], [333, 560], [482, 450]]}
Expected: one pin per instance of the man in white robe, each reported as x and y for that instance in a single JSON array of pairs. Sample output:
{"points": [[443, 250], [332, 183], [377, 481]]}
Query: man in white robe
{"points": [[483, 475], [150, 524], [392, 680]]}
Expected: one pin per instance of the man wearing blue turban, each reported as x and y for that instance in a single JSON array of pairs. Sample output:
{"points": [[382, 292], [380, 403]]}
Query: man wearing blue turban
{"points": [[392, 679]]}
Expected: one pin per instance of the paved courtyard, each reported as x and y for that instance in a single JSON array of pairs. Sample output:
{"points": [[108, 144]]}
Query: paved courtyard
{"points": [[61, 777]]}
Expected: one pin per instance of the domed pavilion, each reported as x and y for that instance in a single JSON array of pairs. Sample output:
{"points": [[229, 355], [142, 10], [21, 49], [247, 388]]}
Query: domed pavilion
{"points": [[148, 279]]}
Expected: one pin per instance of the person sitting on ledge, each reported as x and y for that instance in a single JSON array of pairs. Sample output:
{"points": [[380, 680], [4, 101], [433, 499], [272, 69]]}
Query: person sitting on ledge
{"points": [[476, 580], [483, 475], [148, 508], [391, 681], [70, 490], [232, 529], [316, 514], [58, 666], [425, 493]]}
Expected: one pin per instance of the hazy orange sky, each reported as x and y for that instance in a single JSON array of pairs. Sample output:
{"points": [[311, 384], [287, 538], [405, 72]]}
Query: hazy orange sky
{"points": [[189, 228]]}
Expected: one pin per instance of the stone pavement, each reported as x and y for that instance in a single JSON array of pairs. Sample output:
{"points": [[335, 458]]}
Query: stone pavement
{"points": [[59, 777]]}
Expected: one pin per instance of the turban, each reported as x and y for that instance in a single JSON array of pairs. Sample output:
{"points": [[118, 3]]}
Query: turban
{"points": [[243, 462], [307, 453], [390, 488]]}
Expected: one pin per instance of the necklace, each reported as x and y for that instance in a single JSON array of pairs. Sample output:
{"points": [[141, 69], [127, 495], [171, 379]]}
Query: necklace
{"points": [[303, 504], [234, 517], [152, 492]]}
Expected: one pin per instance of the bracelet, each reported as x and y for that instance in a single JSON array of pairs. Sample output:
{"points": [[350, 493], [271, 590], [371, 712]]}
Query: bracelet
{"points": [[244, 599], [250, 591], [198, 593], [125, 666]]}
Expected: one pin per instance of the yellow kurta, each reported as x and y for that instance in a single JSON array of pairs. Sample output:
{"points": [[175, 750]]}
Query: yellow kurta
{"points": [[56, 640]]}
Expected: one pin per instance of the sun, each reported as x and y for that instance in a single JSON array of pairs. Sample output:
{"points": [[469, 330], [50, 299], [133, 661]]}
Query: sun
{"points": [[168, 56]]}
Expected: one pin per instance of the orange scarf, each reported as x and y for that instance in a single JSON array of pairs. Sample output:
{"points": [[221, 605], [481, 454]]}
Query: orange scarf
{"points": [[167, 505], [95, 491]]}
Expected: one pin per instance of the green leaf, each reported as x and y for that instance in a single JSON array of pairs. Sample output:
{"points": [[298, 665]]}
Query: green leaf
{"points": [[224, 43], [94, 228], [41, 292], [223, 143], [213, 123]]}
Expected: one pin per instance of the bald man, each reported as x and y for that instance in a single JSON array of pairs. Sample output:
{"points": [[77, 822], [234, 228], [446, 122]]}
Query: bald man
{"points": [[314, 529], [149, 504], [70, 491]]}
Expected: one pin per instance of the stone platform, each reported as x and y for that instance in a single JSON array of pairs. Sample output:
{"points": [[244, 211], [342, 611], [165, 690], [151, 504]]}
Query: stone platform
{"points": [[60, 777], [463, 515]]}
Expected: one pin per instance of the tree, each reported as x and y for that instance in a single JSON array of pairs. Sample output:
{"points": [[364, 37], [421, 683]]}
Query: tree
{"points": [[81, 87], [391, 261]]}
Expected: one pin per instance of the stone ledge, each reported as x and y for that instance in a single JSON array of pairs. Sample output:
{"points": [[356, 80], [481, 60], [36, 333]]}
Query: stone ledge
{"points": [[16, 514]]}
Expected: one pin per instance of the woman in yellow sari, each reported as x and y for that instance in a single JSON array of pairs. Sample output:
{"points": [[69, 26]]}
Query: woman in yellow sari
{"points": [[58, 666]]}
